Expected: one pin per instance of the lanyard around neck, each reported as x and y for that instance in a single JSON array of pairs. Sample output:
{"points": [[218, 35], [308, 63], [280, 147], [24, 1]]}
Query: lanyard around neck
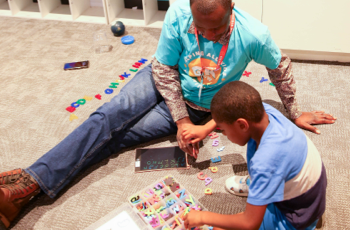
{"points": [[224, 47]]}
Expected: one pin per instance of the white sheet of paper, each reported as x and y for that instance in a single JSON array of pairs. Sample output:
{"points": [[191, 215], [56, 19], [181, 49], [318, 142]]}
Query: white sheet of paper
{"points": [[121, 222]]}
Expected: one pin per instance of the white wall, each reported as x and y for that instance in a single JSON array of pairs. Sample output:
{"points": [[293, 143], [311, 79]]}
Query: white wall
{"points": [[313, 25], [253, 7]]}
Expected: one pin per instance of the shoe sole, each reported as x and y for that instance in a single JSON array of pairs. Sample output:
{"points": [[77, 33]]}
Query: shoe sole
{"points": [[4, 220], [236, 194]]}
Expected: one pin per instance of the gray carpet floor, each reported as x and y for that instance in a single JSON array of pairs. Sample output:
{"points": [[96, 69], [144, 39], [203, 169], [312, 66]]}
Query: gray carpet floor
{"points": [[35, 91]]}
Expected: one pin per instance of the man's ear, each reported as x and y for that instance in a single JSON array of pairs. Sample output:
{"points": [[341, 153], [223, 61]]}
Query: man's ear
{"points": [[243, 124]]}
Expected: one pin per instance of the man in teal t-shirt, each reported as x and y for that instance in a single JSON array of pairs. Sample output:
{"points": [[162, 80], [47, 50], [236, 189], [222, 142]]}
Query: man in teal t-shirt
{"points": [[249, 40], [206, 44]]}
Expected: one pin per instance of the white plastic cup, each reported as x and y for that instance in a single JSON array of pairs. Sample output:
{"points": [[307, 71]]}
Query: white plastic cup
{"points": [[101, 42]]}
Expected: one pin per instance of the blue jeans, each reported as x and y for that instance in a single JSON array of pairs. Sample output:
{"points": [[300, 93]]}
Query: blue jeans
{"points": [[136, 115]]}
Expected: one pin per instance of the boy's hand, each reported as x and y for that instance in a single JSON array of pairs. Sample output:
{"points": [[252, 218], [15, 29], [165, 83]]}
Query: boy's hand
{"points": [[193, 219], [307, 119], [184, 144], [195, 134]]}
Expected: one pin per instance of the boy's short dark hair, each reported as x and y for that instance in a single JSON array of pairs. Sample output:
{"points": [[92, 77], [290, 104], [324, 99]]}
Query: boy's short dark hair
{"points": [[237, 100]]}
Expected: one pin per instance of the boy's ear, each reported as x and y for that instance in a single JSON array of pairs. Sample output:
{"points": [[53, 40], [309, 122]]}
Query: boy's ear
{"points": [[243, 124]]}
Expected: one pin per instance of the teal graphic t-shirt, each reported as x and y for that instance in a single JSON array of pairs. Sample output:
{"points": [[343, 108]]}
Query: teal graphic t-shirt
{"points": [[250, 40]]}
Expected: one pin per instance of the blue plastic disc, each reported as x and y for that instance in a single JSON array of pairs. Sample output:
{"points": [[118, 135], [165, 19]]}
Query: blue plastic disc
{"points": [[128, 40]]}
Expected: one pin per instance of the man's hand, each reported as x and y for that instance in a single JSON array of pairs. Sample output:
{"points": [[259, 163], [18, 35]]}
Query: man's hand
{"points": [[183, 125], [307, 119], [189, 135]]}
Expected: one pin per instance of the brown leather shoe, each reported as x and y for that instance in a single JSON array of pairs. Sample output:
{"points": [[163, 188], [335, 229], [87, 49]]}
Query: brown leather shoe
{"points": [[10, 177], [14, 196]]}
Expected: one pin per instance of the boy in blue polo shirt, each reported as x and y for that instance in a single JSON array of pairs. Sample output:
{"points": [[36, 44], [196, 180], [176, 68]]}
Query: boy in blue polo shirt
{"points": [[287, 178]]}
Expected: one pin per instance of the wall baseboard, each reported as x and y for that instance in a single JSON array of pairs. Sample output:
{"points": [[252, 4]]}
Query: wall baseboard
{"points": [[317, 55]]}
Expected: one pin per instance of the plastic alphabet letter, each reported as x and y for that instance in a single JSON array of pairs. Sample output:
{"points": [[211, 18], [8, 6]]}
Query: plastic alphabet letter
{"points": [[215, 142], [149, 212], [182, 215], [150, 192], [143, 60], [133, 70], [160, 209], [170, 202], [70, 109], [81, 101], [197, 208], [121, 77], [176, 209], [182, 193], [126, 75], [154, 199], [134, 199], [208, 180], [113, 85], [109, 91], [208, 191], [199, 176], [72, 117], [221, 149], [159, 186], [87, 98], [155, 222], [263, 79], [177, 221], [217, 159], [98, 96], [75, 105], [187, 210], [213, 169], [247, 73], [190, 200], [148, 218], [213, 135]]}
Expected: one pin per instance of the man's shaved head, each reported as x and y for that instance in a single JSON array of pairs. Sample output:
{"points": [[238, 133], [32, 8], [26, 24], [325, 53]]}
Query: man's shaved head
{"points": [[208, 6], [211, 17]]}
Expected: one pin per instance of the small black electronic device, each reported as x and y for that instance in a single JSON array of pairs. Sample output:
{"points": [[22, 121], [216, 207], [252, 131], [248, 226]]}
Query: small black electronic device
{"points": [[150, 159], [76, 65]]}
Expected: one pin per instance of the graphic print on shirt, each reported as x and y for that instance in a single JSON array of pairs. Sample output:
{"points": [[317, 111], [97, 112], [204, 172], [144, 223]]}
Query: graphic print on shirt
{"points": [[210, 77]]}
